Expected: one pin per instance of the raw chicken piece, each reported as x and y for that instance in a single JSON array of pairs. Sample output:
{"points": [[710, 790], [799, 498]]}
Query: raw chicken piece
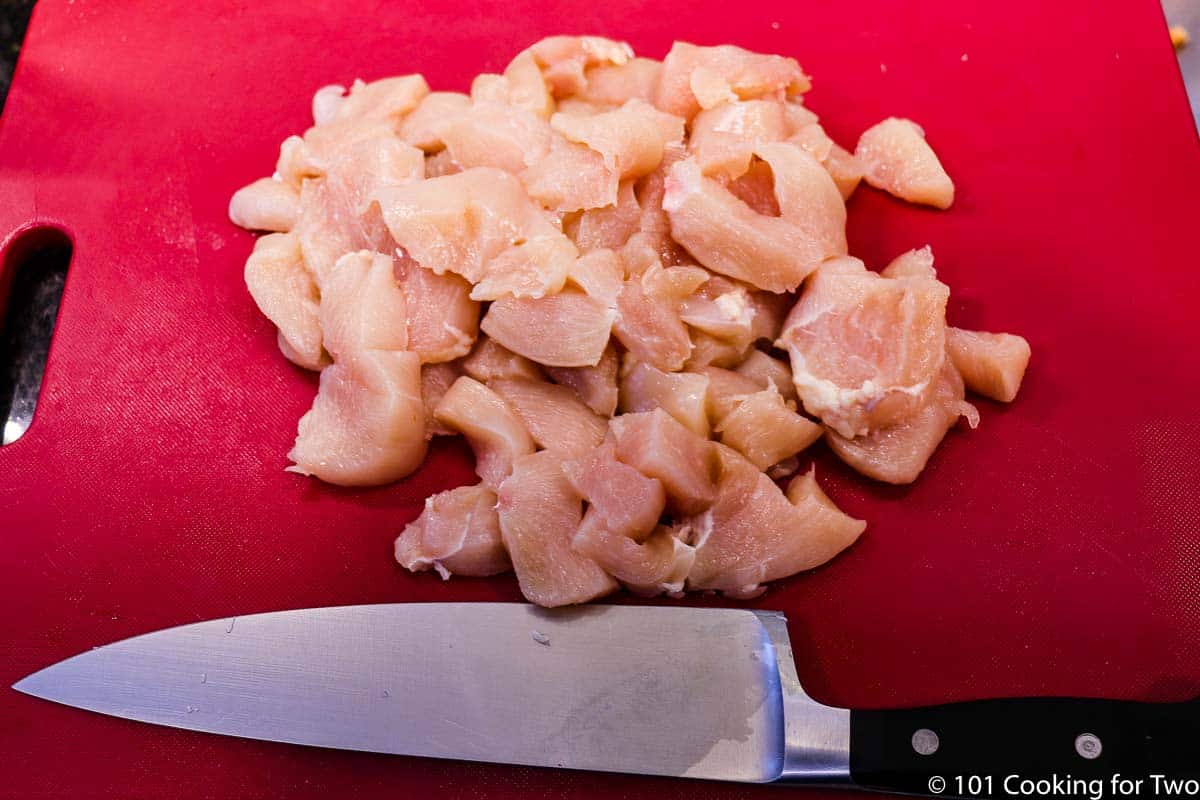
{"points": [[495, 433], [286, 294], [804, 489], [754, 534], [865, 350], [646, 249], [756, 188], [423, 127], [296, 357], [621, 500], [440, 164], [573, 106], [722, 309], [619, 531], [991, 364], [489, 87], [807, 196], [653, 240], [326, 101], [673, 284], [913, 264], [770, 372], [315, 154], [539, 515], [723, 139], [362, 307], [783, 469], [897, 454], [265, 205], [649, 327], [337, 215], [650, 191], [568, 329], [657, 565], [772, 253], [610, 226], [572, 177], [845, 169], [386, 100], [367, 423], [458, 533], [366, 166], [722, 73], [843, 265], [813, 140], [564, 60], [897, 159], [297, 162], [481, 225], [599, 274], [328, 228], [554, 415], [436, 379], [596, 386], [726, 389], [443, 320], [683, 395], [614, 84], [630, 138], [496, 135], [489, 360], [797, 115], [527, 87], [364, 157], [658, 446], [612, 215], [708, 351], [732, 312], [522, 270], [766, 431]]}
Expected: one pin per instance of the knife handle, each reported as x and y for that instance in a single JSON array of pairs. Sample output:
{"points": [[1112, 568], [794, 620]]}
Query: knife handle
{"points": [[972, 749]]}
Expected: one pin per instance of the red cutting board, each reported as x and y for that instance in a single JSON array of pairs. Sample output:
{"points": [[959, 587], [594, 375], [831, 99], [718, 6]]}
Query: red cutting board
{"points": [[1055, 550]]}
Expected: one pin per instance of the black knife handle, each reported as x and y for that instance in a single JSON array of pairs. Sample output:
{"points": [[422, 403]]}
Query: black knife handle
{"points": [[973, 749]]}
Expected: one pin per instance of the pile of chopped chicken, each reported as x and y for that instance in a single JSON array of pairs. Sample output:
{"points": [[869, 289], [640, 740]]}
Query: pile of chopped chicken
{"points": [[626, 283]]}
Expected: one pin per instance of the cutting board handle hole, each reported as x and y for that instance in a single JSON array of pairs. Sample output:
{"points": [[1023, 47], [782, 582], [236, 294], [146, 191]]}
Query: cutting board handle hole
{"points": [[33, 273]]}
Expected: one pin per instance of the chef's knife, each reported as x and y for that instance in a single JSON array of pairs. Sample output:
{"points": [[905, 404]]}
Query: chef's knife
{"points": [[698, 693]]}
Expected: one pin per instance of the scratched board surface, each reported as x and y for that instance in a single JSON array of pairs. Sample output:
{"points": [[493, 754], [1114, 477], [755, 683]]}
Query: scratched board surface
{"points": [[1051, 551]]}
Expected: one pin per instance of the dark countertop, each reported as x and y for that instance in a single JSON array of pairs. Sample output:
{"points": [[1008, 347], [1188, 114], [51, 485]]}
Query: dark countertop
{"points": [[14, 17]]}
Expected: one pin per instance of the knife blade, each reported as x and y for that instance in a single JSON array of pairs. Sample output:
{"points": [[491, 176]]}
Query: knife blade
{"points": [[686, 692]]}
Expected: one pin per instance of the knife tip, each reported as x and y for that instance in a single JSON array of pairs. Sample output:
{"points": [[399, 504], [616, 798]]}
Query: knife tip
{"points": [[30, 685]]}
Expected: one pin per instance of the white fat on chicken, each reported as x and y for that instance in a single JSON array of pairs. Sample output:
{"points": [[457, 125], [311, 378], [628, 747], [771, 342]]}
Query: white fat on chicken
{"points": [[865, 349]]}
